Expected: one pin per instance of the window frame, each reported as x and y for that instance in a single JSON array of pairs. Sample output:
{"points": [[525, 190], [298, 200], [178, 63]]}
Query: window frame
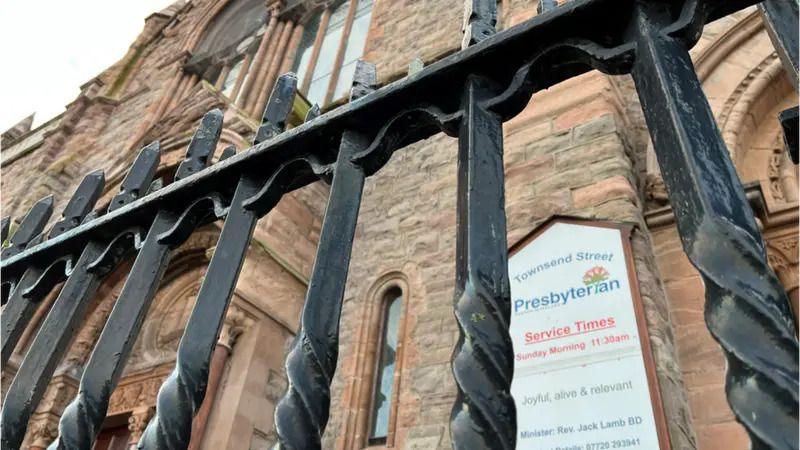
{"points": [[388, 294], [341, 48]]}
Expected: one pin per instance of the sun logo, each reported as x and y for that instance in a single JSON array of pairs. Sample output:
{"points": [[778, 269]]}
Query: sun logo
{"points": [[595, 275]]}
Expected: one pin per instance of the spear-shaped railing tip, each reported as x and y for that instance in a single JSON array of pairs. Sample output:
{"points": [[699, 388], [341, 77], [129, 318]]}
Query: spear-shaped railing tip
{"points": [[480, 18], [227, 152], [155, 185], [278, 108], [365, 80], [139, 176], [31, 226], [81, 203], [202, 146], [312, 113]]}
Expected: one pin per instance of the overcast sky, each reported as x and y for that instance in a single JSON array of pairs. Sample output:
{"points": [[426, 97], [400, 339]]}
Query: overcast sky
{"points": [[51, 47]]}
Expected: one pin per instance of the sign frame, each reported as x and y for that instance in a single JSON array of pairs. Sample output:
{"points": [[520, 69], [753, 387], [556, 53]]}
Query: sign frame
{"points": [[626, 230]]}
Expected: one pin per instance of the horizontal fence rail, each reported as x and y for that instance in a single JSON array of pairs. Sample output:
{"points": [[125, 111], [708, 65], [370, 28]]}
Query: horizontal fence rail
{"points": [[467, 95]]}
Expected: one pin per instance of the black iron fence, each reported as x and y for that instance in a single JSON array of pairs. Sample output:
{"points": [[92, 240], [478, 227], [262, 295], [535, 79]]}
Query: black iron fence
{"points": [[467, 95]]}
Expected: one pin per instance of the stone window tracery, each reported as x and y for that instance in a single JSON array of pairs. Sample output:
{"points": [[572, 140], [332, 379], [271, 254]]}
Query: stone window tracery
{"points": [[249, 43], [333, 40], [229, 44]]}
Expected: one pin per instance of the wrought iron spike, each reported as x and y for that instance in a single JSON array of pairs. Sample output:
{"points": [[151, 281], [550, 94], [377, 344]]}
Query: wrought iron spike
{"points": [[38, 239], [47, 349], [546, 5], [31, 226], [227, 152], [202, 146], [139, 177], [17, 313], [746, 309], [5, 227], [157, 184], [90, 217], [312, 113], [365, 80], [278, 108], [81, 203], [480, 19]]}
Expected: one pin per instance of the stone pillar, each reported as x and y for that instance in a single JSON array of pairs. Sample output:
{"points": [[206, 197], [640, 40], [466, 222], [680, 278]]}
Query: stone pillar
{"points": [[274, 65], [236, 322], [237, 86], [260, 75], [258, 59], [137, 422], [222, 76], [291, 49]]}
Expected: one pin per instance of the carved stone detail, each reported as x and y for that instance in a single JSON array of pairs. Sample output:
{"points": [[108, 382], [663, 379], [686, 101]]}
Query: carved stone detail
{"points": [[655, 191], [135, 395], [783, 258], [236, 322], [58, 394], [276, 385], [774, 174], [137, 422], [81, 348]]}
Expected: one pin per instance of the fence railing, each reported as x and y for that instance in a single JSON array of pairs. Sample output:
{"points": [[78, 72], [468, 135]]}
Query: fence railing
{"points": [[467, 95]]}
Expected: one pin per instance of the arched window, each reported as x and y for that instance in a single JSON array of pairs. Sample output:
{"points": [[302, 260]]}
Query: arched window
{"points": [[228, 45], [385, 369], [332, 42]]}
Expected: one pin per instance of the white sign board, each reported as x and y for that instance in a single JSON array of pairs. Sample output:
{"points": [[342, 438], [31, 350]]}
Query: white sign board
{"points": [[579, 374]]}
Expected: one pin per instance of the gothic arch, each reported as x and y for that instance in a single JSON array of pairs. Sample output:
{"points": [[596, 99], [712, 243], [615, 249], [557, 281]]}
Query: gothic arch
{"points": [[747, 88], [371, 303], [750, 128], [191, 254], [206, 20], [711, 56]]}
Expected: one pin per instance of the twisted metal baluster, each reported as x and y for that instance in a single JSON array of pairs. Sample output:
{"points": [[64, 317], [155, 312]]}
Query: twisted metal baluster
{"points": [[484, 415], [83, 417], [302, 413], [746, 309], [62, 322], [182, 393]]}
